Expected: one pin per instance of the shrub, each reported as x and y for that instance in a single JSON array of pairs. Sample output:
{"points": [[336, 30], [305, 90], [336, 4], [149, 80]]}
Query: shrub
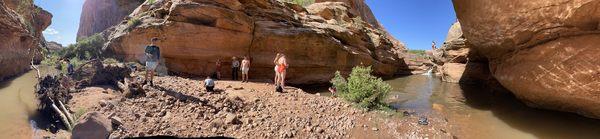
{"points": [[301, 2], [362, 88], [133, 22], [151, 2]]}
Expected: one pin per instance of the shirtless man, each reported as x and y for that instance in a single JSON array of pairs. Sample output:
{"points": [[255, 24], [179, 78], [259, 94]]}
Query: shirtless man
{"points": [[245, 69]]}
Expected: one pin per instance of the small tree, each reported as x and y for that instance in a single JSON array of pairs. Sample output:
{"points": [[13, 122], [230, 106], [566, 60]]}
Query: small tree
{"points": [[362, 88]]}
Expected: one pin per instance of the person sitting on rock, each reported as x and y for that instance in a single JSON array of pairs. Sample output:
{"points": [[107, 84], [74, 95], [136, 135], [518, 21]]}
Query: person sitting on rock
{"points": [[235, 67], [209, 84], [152, 57], [245, 69]]}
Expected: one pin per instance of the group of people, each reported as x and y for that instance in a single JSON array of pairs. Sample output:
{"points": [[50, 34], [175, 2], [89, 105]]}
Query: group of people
{"points": [[152, 53]]}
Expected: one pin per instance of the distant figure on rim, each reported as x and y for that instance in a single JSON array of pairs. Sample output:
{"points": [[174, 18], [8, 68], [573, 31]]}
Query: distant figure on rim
{"points": [[245, 69], [152, 57], [235, 67], [433, 47]]}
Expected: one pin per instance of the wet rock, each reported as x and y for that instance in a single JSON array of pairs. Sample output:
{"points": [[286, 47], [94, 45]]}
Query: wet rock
{"points": [[423, 121]]}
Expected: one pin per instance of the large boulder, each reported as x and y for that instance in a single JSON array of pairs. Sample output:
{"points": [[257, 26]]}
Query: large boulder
{"points": [[93, 125], [545, 52], [20, 35], [98, 15], [457, 63], [194, 34]]}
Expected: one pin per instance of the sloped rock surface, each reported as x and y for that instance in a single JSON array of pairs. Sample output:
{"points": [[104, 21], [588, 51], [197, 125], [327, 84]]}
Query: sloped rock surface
{"points": [[545, 52], [194, 34], [20, 35], [98, 15]]}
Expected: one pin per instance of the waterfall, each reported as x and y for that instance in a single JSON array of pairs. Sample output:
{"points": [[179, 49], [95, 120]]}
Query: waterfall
{"points": [[428, 72]]}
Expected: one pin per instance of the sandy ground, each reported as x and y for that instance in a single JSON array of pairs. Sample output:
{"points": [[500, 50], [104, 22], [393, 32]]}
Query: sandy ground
{"points": [[179, 107]]}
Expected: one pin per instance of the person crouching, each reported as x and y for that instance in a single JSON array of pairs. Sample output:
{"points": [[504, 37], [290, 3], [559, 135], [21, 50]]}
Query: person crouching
{"points": [[209, 84]]}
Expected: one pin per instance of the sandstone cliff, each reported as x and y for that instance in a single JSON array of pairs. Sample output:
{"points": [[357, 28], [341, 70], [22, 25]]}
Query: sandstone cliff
{"points": [[21, 26], [318, 39], [98, 15], [456, 62], [545, 52]]}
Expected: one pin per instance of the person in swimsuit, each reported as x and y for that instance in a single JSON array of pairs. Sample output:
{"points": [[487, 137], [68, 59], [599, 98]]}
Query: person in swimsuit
{"points": [[282, 67], [276, 80], [218, 70], [245, 69]]}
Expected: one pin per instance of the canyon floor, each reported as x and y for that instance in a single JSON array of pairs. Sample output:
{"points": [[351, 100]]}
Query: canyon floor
{"points": [[180, 107]]}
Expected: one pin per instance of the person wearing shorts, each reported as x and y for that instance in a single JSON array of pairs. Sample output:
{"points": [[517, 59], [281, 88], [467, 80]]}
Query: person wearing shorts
{"points": [[152, 57], [245, 69]]}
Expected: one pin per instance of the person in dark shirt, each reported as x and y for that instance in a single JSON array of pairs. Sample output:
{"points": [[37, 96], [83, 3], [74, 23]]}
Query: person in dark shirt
{"points": [[152, 58], [70, 67], [235, 68]]}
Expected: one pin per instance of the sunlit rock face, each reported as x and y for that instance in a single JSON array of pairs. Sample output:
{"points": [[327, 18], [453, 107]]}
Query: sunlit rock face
{"points": [[21, 26], [544, 51], [318, 39], [98, 15]]}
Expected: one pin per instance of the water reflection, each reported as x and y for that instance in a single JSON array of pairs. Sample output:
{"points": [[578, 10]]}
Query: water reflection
{"points": [[482, 112]]}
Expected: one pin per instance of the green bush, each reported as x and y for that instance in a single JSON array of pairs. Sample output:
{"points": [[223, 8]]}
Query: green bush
{"points": [[301, 2], [151, 2], [134, 22], [362, 88]]}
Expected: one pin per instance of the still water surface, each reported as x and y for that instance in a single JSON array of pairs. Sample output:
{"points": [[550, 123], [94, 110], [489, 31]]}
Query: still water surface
{"points": [[480, 112]]}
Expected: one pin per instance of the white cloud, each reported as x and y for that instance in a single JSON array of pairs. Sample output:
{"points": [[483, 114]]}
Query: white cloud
{"points": [[50, 31]]}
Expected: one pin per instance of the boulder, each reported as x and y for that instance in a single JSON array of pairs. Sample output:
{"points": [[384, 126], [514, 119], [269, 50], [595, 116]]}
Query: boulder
{"points": [[21, 35], [98, 15], [93, 125], [194, 34], [545, 52]]}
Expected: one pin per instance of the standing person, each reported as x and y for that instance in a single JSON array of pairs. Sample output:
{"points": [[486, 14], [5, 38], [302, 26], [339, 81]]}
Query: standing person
{"points": [[276, 80], [235, 67], [282, 67], [245, 69], [218, 65], [70, 67], [152, 57], [433, 47], [209, 84]]}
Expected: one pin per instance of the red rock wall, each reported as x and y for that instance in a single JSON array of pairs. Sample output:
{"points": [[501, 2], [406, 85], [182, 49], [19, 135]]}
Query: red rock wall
{"points": [[98, 15]]}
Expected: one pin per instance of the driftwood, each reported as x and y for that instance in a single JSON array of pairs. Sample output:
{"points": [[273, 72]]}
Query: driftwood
{"points": [[66, 112]]}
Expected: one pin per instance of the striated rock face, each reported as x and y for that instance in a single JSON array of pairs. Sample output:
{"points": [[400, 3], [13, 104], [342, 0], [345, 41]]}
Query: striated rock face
{"points": [[456, 62], [318, 40], [21, 26], [545, 52], [53, 46], [98, 15]]}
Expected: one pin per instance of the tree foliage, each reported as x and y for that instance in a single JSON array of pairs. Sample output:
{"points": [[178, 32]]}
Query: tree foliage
{"points": [[362, 88]]}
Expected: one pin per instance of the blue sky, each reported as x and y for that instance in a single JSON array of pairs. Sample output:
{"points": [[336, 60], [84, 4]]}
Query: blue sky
{"points": [[65, 20], [414, 22]]}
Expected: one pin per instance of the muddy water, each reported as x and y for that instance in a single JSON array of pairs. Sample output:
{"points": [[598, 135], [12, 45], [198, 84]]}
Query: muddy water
{"points": [[18, 105], [479, 112]]}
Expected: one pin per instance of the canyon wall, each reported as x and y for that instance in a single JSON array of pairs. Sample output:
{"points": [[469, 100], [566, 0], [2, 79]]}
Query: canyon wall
{"points": [[98, 15], [318, 39], [544, 51], [456, 62], [21, 26]]}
